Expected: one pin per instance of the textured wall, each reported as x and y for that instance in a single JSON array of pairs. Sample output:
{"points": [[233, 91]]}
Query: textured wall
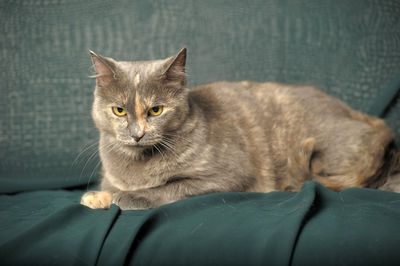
{"points": [[348, 48]]}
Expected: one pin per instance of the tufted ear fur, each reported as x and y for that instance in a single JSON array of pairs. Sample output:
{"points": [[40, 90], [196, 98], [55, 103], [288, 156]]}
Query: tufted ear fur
{"points": [[105, 69], [174, 70]]}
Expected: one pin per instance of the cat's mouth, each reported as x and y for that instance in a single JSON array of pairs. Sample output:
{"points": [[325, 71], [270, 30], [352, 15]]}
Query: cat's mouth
{"points": [[137, 144]]}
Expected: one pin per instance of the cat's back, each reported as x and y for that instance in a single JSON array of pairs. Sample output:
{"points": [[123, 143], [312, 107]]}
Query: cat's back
{"points": [[227, 94], [230, 91], [225, 91], [269, 99], [264, 99]]}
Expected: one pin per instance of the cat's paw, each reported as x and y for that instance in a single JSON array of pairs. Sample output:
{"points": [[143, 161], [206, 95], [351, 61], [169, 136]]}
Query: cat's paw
{"points": [[131, 201], [97, 199]]}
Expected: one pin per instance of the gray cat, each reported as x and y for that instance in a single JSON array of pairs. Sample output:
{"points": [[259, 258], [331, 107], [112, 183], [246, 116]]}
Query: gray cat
{"points": [[161, 142]]}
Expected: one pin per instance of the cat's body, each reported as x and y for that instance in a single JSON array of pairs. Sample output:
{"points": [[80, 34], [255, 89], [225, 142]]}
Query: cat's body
{"points": [[225, 136]]}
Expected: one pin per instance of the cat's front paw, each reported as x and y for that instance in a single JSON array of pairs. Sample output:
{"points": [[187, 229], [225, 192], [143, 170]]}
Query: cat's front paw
{"points": [[131, 201], [97, 199]]}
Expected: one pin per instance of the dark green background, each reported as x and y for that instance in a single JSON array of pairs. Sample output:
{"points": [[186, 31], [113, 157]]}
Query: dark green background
{"points": [[350, 49]]}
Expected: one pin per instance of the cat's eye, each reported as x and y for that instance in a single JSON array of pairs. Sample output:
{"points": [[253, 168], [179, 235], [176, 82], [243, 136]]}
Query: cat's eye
{"points": [[155, 111], [119, 111]]}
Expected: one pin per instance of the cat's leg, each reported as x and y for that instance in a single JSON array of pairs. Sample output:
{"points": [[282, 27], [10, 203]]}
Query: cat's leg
{"points": [[355, 168], [135, 200], [352, 170], [303, 165], [97, 199], [178, 189], [373, 170], [356, 160]]}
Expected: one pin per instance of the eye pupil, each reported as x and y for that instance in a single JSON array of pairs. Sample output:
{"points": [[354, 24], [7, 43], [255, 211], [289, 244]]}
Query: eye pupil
{"points": [[119, 111], [156, 110]]}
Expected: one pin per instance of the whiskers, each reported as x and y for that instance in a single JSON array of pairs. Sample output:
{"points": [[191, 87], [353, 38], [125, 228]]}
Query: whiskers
{"points": [[172, 149], [171, 136], [85, 149], [91, 152], [168, 144], [164, 149], [88, 153]]}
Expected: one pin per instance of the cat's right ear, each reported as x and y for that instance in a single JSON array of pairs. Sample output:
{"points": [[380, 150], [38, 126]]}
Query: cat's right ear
{"points": [[105, 69]]}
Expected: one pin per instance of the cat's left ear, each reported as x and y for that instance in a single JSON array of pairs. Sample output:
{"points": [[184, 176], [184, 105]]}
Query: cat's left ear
{"points": [[105, 69], [174, 69]]}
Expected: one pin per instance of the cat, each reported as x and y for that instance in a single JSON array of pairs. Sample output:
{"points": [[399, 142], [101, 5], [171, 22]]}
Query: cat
{"points": [[161, 142]]}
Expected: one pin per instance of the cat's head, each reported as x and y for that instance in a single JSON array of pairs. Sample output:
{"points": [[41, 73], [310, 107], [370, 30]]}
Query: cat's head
{"points": [[137, 103]]}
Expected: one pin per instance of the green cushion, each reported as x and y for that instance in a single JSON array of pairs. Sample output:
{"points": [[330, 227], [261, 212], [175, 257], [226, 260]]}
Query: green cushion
{"points": [[348, 48], [313, 227]]}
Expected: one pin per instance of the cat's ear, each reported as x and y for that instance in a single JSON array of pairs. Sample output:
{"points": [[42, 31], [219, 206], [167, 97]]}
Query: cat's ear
{"points": [[105, 69], [174, 69]]}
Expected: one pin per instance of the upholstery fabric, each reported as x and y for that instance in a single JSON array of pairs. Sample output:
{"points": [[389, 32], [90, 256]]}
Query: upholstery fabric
{"points": [[313, 227]]}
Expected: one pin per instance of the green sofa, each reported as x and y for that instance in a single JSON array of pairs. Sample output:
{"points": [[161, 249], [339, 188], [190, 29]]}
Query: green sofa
{"points": [[48, 158]]}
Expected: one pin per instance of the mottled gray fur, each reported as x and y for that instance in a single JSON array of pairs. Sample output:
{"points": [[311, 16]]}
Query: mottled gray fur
{"points": [[225, 136]]}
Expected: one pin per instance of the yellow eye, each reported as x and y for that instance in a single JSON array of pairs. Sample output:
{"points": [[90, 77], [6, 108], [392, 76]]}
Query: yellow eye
{"points": [[119, 111], [156, 110]]}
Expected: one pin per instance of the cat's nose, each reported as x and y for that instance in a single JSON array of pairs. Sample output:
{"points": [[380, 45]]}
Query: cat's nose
{"points": [[138, 136]]}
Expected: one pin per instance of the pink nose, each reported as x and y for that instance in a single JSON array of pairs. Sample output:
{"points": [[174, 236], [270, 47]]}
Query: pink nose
{"points": [[138, 136]]}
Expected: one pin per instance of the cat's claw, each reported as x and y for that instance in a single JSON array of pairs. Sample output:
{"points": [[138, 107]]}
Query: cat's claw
{"points": [[97, 199]]}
